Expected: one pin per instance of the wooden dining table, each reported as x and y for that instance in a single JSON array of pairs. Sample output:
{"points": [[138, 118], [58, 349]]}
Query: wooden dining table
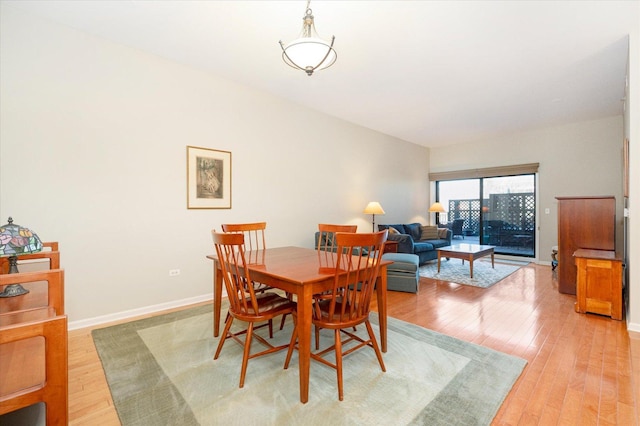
{"points": [[303, 272]]}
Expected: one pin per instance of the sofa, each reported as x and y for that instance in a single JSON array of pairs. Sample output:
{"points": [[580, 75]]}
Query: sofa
{"points": [[418, 239]]}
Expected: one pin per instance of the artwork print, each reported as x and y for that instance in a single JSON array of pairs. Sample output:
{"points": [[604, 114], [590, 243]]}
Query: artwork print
{"points": [[208, 178]]}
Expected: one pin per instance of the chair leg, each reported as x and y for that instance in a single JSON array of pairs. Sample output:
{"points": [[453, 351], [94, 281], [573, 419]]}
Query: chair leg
{"points": [[374, 343], [223, 336], [317, 337], [292, 344], [339, 364], [284, 317], [245, 355]]}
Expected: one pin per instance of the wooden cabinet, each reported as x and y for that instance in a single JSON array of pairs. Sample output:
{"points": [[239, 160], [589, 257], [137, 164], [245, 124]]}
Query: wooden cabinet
{"points": [[599, 285], [583, 223]]}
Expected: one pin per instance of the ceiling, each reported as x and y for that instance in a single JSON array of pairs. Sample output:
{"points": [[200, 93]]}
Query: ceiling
{"points": [[429, 72]]}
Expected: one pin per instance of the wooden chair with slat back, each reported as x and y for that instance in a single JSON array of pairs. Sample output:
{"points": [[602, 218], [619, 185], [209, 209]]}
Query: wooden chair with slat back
{"points": [[326, 246], [357, 267], [245, 304], [254, 243], [254, 247]]}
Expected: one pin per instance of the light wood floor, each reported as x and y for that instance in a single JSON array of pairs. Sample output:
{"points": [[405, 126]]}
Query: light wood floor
{"points": [[579, 368]]}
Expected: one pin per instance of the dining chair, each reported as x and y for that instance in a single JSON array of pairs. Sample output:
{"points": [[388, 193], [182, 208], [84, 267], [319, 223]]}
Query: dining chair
{"points": [[357, 266], [326, 246], [327, 235], [254, 240], [255, 244], [245, 304]]}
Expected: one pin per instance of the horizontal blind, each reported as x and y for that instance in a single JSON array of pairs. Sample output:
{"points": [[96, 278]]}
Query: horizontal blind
{"points": [[518, 169]]}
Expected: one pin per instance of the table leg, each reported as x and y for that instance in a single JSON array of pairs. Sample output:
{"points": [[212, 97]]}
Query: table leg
{"points": [[304, 311], [217, 298], [471, 266], [492, 264], [381, 290], [438, 261]]}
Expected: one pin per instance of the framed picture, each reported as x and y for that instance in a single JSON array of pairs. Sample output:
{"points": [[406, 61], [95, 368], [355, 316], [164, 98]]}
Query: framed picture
{"points": [[626, 168], [208, 178]]}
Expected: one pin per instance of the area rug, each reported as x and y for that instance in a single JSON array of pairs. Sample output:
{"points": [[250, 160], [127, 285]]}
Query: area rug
{"points": [[454, 271], [161, 371]]}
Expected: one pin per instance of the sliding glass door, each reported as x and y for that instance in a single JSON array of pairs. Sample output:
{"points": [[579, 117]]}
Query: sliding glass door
{"points": [[497, 211]]}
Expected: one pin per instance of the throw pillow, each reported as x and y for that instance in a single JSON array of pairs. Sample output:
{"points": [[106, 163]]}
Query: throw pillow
{"points": [[393, 230], [442, 233], [429, 233], [413, 229]]}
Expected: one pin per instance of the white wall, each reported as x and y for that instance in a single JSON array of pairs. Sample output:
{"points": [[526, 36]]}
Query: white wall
{"points": [[93, 155]]}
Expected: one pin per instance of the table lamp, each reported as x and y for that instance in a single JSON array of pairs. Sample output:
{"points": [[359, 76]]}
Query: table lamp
{"points": [[373, 208], [14, 241]]}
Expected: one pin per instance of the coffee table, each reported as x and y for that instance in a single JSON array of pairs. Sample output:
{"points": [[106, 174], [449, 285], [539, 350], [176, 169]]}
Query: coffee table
{"points": [[469, 252]]}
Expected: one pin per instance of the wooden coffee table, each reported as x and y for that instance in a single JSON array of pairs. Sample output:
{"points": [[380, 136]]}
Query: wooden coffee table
{"points": [[469, 252]]}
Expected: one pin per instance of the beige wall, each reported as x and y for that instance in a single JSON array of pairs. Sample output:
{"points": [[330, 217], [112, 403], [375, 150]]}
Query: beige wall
{"points": [[575, 159], [93, 154], [632, 131]]}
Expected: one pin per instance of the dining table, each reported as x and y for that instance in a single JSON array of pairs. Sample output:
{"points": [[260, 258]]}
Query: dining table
{"points": [[302, 272]]}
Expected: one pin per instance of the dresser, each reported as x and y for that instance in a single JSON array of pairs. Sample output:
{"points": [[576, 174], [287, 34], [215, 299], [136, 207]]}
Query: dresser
{"points": [[583, 223]]}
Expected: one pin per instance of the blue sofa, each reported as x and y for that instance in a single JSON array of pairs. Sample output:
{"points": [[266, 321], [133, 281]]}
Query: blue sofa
{"points": [[409, 240]]}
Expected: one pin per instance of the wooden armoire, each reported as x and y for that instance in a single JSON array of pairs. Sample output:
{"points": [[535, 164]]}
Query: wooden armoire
{"points": [[583, 223]]}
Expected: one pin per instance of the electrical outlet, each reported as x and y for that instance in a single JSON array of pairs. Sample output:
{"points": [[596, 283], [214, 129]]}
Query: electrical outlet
{"points": [[174, 272], [547, 211]]}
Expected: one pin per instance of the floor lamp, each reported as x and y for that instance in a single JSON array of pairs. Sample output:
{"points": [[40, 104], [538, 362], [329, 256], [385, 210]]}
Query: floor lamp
{"points": [[373, 208], [436, 208]]}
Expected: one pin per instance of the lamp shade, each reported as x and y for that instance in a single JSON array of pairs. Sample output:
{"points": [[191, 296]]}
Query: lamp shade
{"points": [[373, 207], [16, 240], [436, 208]]}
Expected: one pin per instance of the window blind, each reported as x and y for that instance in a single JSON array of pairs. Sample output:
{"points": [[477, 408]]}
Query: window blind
{"points": [[518, 169]]}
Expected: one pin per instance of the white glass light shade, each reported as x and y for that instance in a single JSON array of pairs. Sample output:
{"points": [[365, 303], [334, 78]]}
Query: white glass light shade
{"points": [[309, 54]]}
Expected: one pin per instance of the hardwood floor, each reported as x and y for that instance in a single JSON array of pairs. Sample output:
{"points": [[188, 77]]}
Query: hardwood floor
{"points": [[579, 368]]}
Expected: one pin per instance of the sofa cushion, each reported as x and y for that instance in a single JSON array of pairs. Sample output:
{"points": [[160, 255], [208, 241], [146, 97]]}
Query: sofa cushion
{"points": [[439, 243], [442, 233], [413, 229], [428, 232], [421, 246], [400, 228], [402, 262]]}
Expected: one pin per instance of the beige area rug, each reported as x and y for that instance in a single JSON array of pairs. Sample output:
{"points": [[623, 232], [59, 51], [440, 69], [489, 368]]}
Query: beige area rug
{"points": [[484, 275], [161, 372]]}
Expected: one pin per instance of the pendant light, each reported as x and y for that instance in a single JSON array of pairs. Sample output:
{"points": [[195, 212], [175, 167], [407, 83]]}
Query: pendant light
{"points": [[309, 52]]}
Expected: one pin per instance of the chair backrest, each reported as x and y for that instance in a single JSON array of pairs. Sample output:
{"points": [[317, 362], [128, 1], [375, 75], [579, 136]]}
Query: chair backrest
{"points": [[327, 237], [236, 276], [326, 242], [357, 265], [456, 226], [254, 239]]}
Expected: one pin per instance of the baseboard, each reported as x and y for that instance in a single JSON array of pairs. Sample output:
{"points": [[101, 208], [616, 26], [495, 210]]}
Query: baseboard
{"points": [[119, 316], [632, 326]]}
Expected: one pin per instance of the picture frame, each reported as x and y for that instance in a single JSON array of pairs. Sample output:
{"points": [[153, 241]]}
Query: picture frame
{"points": [[208, 178]]}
